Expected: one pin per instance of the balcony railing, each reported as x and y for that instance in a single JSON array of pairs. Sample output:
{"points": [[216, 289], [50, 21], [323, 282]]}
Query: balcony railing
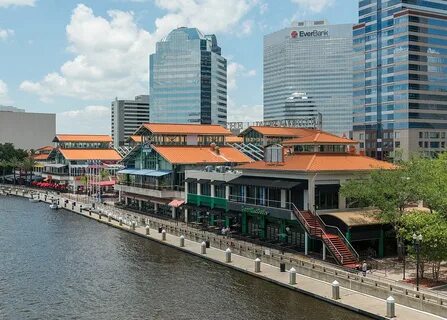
{"points": [[152, 186], [263, 202], [212, 202]]}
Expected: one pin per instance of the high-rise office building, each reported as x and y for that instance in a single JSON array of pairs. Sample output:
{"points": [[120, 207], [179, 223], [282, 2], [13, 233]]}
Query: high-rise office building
{"points": [[188, 79], [312, 57], [400, 77], [127, 116], [299, 104]]}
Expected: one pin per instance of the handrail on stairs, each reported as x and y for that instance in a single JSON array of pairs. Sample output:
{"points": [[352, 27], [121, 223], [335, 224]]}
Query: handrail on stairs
{"points": [[340, 234], [306, 225]]}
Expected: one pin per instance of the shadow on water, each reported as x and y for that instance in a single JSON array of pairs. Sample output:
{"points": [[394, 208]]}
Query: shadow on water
{"points": [[58, 265]]}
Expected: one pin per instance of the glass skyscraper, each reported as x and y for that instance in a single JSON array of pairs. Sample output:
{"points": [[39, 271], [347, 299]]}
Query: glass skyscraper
{"points": [[314, 58], [400, 79], [188, 79]]}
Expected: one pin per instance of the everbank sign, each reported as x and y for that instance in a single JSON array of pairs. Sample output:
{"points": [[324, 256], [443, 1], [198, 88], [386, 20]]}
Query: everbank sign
{"points": [[306, 34]]}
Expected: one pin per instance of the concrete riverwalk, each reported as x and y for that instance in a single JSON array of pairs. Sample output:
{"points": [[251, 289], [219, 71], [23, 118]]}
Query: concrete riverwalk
{"points": [[349, 299]]}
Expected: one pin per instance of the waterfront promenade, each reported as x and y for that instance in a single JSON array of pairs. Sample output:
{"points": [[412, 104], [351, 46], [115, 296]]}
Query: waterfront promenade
{"points": [[351, 299]]}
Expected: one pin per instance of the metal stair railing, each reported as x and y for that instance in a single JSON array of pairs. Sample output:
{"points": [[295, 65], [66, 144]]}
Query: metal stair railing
{"points": [[340, 235], [253, 151], [324, 236]]}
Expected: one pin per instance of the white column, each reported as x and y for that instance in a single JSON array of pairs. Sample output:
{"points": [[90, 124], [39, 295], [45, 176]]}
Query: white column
{"points": [[283, 198], [156, 207], [324, 251], [119, 196], [173, 213], [213, 190], [127, 201], [227, 192], [186, 192], [306, 244], [186, 215], [341, 199], [311, 194], [199, 191], [140, 205]]}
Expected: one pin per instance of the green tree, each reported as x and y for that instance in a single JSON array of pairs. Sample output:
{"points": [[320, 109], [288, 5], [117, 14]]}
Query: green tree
{"points": [[28, 165], [4, 165], [433, 228], [104, 174], [14, 163], [390, 191]]}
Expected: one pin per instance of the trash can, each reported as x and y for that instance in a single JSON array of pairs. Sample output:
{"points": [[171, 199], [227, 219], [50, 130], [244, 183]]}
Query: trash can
{"points": [[207, 242], [282, 267], [160, 229]]}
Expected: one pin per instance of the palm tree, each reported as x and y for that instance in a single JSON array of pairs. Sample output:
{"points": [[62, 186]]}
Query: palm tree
{"points": [[28, 165], [14, 163], [4, 164]]}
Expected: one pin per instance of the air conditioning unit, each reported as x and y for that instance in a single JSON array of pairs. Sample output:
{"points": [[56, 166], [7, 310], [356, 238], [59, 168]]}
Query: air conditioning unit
{"points": [[220, 169]]}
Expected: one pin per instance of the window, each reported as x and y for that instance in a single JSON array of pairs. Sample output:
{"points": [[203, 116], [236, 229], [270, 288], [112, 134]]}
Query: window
{"points": [[192, 187], [205, 189], [397, 144], [219, 191]]}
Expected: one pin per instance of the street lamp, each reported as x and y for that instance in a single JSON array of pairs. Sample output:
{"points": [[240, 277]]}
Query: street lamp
{"points": [[417, 242]]}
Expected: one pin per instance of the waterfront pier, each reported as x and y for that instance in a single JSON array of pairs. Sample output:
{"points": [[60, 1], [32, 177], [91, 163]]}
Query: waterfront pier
{"points": [[308, 278]]}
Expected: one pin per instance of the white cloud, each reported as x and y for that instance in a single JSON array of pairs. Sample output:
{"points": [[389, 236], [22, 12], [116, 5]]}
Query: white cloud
{"points": [[4, 96], [263, 8], [6, 33], [236, 70], [209, 16], [111, 54], [9, 3], [244, 113], [91, 119], [111, 59], [246, 27], [314, 5]]}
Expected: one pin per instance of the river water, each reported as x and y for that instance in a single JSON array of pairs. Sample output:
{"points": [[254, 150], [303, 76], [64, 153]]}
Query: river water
{"points": [[59, 265]]}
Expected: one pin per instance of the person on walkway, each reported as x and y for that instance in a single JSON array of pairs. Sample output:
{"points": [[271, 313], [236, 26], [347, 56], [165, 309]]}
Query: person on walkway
{"points": [[364, 268]]}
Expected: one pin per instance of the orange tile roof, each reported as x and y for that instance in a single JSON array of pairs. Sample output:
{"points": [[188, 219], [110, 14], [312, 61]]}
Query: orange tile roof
{"points": [[201, 155], [321, 162], [40, 157], [280, 131], [45, 148], [233, 139], [200, 129], [319, 137], [90, 154], [82, 138]]}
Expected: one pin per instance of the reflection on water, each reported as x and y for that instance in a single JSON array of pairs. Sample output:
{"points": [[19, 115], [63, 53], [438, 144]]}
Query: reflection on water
{"points": [[58, 265]]}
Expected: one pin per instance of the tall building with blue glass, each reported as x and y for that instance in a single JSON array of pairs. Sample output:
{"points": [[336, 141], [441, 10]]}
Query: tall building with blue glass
{"points": [[188, 79], [400, 77]]}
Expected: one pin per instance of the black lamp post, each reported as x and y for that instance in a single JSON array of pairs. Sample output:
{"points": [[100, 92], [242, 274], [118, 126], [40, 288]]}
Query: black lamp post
{"points": [[417, 242], [401, 246]]}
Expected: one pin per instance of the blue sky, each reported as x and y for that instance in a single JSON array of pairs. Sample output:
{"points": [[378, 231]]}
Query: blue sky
{"points": [[73, 58]]}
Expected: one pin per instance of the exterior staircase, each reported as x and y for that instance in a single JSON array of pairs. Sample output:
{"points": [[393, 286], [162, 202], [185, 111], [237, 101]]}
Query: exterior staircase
{"points": [[331, 236]]}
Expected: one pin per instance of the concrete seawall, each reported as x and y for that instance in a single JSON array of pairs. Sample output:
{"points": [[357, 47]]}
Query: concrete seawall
{"points": [[311, 279]]}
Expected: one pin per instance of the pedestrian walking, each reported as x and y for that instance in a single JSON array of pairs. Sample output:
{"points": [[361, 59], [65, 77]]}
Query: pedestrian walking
{"points": [[364, 268]]}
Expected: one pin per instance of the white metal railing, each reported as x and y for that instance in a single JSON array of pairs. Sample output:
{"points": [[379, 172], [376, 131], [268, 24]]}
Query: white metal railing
{"points": [[307, 226]]}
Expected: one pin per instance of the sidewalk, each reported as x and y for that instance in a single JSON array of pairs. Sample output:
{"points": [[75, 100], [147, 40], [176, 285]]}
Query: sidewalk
{"points": [[350, 299]]}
